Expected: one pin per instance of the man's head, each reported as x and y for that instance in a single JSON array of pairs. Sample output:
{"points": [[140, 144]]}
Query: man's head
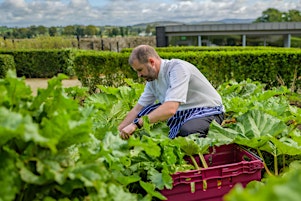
{"points": [[146, 62]]}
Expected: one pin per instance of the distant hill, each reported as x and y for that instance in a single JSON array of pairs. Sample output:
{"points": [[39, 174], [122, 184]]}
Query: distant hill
{"points": [[227, 21], [224, 21], [158, 23]]}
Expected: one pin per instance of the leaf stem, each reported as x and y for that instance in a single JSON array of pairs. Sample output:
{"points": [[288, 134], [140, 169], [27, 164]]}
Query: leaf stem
{"points": [[204, 163], [194, 162], [264, 164], [276, 165]]}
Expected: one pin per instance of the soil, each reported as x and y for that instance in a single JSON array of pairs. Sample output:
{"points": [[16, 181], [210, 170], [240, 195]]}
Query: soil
{"points": [[36, 83]]}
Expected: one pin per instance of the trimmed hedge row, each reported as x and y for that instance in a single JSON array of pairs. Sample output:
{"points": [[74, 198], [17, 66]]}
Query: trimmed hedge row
{"points": [[272, 66], [264, 66], [214, 48], [103, 68], [6, 62], [42, 63], [267, 66]]}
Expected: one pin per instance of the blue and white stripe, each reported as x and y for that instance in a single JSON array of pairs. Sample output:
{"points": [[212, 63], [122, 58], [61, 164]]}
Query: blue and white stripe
{"points": [[176, 121]]}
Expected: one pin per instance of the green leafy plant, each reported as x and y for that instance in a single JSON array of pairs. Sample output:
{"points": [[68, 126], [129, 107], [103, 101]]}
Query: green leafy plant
{"points": [[63, 144], [262, 122], [281, 188]]}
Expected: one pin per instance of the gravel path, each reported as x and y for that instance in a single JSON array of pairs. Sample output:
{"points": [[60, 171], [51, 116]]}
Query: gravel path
{"points": [[36, 83]]}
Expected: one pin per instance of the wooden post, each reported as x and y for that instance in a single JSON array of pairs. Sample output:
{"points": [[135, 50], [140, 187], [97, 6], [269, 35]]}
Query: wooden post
{"points": [[102, 45]]}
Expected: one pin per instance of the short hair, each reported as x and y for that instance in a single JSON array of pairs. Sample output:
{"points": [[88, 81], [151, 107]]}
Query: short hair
{"points": [[142, 53]]}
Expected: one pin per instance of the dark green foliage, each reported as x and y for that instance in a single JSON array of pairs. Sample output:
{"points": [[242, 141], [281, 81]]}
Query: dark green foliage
{"points": [[103, 68], [271, 66], [42, 63], [54, 147], [6, 62]]}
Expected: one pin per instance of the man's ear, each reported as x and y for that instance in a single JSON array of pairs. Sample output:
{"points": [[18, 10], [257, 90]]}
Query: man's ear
{"points": [[151, 61]]}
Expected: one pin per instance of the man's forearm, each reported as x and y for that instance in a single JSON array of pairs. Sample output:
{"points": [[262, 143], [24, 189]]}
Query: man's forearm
{"points": [[163, 112]]}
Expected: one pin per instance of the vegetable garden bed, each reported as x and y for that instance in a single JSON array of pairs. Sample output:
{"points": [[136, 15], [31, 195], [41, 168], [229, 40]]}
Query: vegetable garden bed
{"points": [[63, 143]]}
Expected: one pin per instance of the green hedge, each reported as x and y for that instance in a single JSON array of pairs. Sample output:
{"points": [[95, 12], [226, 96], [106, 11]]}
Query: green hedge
{"points": [[105, 68], [271, 66], [267, 66], [42, 63], [264, 66], [206, 48], [6, 62]]}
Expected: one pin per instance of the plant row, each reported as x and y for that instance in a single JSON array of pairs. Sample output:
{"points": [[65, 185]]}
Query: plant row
{"points": [[63, 144]]}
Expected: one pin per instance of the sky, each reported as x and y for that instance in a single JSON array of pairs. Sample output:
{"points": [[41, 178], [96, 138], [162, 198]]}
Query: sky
{"points": [[24, 13]]}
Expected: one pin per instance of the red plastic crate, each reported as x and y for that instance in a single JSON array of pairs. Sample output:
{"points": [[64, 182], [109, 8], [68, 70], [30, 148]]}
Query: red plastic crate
{"points": [[227, 166]]}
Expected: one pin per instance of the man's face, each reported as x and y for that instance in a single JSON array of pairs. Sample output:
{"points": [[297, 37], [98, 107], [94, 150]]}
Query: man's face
{"points": [[146, 71]]}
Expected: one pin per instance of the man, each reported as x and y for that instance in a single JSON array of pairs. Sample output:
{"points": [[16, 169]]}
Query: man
{"points": [[175, 91]]}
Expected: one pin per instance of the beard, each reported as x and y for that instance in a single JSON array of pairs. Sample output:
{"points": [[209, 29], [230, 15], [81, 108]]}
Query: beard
{"points": [[152, 75]]}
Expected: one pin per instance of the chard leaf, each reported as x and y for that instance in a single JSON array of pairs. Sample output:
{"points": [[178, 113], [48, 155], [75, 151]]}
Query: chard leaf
{"points": [[14, 92], [109, 90], [160, 179], [156, 178], [296, 135], [166, 177], [276, 106], [63, 131], [255, 128], [113, 142], [236, 105], [188, 146], [257, 123], [168, 155], [220, 135], [285, 146], [126, 180], [13, 125], [117, 193], [29, 177], [284, 187], [89, 174], [193, 144], [203, 143], [295, 114], [147, 144], [10, 181], [100, 101], [52, 98], [150, 189]]}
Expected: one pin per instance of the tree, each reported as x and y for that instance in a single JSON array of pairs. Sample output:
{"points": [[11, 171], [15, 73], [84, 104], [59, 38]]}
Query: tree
{"points": [[274, 15], [270, 15], [113, 32], [52, 31], [90, 30], [126, 32], [121, 31], [148, 29], [21, 33], [42, 30], [32, 31], [80, 31], [69, 30], [294, 16]]}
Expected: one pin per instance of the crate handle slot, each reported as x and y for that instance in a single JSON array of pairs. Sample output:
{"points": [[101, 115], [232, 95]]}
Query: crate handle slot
{"points": [[238, 170]]}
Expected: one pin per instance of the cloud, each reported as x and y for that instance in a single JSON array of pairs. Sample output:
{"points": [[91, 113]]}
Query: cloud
{"points": [[129, 12]]}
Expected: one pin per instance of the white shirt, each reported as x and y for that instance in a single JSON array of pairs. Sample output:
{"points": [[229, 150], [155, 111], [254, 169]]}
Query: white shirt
{"points": [[180, 81]]}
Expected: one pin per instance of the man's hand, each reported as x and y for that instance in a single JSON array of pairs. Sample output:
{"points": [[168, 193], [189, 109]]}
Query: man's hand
{"points": [[127, 131]]}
